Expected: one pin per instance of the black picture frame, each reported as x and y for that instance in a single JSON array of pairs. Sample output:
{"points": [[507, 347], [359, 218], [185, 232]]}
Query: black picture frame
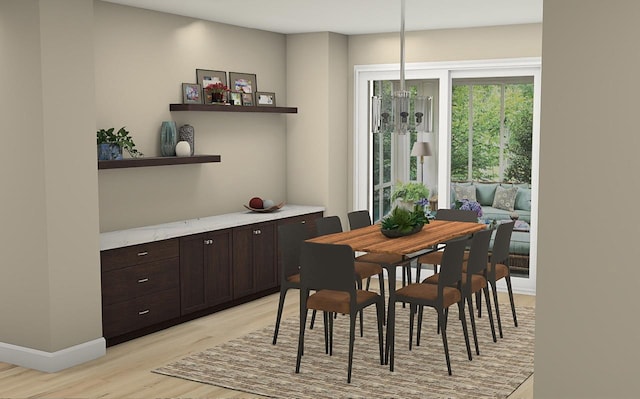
{"points": [[265, 99], [191, 93], [243, 82]]}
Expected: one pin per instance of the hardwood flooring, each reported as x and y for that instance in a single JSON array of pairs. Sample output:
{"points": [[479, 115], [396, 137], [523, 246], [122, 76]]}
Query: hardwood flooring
{"points": [[125, 371]]}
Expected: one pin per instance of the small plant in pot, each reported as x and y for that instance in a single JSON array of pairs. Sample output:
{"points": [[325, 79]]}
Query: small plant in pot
{"points": [[402, 222], [110, 144], [410, 193]]}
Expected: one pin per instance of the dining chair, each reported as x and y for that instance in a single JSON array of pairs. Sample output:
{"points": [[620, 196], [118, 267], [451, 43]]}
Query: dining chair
{"points": [[360, 219], [440, 297], [290, 239], [329, 269], [435, 258], [473, 281], [498, 268]]}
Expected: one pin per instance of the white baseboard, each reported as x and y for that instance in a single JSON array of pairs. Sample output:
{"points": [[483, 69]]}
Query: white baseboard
{"points": [[51, 362]]}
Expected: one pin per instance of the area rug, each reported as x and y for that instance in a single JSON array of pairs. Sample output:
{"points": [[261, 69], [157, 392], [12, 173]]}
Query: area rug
{"points": [[252, 364]]}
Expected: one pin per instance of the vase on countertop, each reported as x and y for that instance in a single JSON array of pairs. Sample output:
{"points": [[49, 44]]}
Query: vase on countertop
{"points": [[188, 134], [168, 138]]}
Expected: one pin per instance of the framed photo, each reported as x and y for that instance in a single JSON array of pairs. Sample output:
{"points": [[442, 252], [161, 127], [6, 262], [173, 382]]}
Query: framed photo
{"points": [[243, 82], [247, 99], [205, 77], [191, 93], [235, 98], [265, 99]]}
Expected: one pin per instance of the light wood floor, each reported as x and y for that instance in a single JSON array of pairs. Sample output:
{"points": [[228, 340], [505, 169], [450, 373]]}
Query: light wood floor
{"points": [[125, 371]]}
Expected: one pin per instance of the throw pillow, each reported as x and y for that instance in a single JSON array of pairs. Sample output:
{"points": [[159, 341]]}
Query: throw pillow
{"points": [[523, 199], [505, 198], [485, 193], [465, 192]]}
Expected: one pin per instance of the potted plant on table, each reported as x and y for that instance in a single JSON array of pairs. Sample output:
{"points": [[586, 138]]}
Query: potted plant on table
{"points": [[402, 222], [110, 144]]}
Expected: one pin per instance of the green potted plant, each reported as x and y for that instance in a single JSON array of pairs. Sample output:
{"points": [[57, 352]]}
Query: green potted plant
{"points": [[110, 144], [408, 194], [402, 222]]}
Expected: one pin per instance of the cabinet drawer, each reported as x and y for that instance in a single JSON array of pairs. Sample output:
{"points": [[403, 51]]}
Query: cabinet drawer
{"points": [[140, 312], [149, 252], [136, 281]]}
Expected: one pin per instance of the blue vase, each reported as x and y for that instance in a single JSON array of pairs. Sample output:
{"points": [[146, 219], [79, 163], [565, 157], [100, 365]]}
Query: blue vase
{"points": [[168, 139]]}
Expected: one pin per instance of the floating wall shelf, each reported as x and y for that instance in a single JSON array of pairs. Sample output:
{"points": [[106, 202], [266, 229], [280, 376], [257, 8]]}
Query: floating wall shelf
{"points": [[231, 108], [156, 161]]}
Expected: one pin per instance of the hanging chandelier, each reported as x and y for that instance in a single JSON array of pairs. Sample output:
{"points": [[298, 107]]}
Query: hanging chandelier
{"points": [[401, 116]]}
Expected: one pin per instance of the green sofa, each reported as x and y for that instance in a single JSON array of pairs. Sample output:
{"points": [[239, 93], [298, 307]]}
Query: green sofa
{"points": [[511, 198]]}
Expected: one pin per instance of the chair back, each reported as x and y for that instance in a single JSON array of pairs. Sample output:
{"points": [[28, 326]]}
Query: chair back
{"points": [[328, 225], [290, 239], [451, 270], [456, 215], [500, 250], [327, 267], [359, 219], [479, 253]]}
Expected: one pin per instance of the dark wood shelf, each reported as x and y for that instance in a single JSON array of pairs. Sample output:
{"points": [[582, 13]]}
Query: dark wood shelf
{"points": [[231, 108], [156, 161]]}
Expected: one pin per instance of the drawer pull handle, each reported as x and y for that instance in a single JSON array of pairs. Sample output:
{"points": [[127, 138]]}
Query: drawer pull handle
{"points": [[257, 232], [208, 242], [143, 253], [143, 312], [143, 280]]}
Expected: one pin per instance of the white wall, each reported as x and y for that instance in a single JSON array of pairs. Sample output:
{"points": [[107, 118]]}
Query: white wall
{"points": [[586, 305]]}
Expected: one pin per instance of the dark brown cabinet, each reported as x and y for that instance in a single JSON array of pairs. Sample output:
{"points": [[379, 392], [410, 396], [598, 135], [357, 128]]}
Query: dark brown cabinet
{"points": [[254, 259], [139, 286], [205, 270]]}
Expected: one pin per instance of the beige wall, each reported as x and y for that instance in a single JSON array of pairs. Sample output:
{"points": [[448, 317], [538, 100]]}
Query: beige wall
{"points": [[586, 324], [142, 57], [50, 285]]}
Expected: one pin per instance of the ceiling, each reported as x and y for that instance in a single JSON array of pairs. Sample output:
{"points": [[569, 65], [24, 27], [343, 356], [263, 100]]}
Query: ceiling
{"points": [[350, 17]]}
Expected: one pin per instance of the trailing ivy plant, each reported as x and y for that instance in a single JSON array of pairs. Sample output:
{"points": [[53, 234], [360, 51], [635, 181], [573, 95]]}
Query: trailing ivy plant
{"points": [[121, 138]]}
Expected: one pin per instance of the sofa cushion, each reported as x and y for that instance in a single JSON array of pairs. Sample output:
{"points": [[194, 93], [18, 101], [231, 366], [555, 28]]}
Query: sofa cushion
{"points": [[465, 192], [485, 193], [523, 199], [505, 198]]}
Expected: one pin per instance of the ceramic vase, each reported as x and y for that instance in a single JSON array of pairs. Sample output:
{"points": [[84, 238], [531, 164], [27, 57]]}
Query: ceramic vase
{"points": [[183, 149], [187, 133], [168, 138]]}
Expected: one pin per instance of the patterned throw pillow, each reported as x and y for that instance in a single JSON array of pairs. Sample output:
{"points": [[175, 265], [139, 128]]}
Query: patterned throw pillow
{"points": [[505, 198], [465, 192]]}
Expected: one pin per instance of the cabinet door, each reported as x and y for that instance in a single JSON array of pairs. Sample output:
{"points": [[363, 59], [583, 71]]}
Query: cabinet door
{"points": [[264, 256], [243, 276], [254, 259], [218, 271]]}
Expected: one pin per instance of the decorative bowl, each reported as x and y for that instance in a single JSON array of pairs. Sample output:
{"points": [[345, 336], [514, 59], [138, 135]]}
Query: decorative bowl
{"points": [[396, 233], [265, 210]]}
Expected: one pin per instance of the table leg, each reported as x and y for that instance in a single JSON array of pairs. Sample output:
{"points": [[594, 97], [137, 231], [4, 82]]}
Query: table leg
{"points": [[391, 274]]}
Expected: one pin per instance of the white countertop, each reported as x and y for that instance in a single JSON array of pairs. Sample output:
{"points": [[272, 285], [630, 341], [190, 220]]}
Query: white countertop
{"points": [[140, 235]]}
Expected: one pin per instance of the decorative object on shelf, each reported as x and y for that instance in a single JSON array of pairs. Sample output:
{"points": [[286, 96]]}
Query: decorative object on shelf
{"points": [[108, 140], [218, 92], [235, 98], [188, 134], [514, 215], [265, 210], [191, 93], [401, 222], [168, 138], [243, 82], [408, 194], [265, 99], [247, 99], [183, 149], [206, 77]]}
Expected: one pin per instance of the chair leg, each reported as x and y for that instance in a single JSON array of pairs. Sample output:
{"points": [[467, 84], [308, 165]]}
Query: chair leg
{"points": [[283, 294], [331, 332], [303, 322], [382, 293], [513, 305], [490, 312], [463, 319], [391, 334], [313, 320], [479, 303], [496, 306], [473, 323], [352, 338], [443, 323], [419, 330], [325, 319], [368, 283], [380, 313], [359, 285], [412, 311], [418, 269]]}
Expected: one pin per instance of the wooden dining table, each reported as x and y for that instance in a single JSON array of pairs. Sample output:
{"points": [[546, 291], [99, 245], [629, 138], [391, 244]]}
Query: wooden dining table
{"points": [[370, 239]]}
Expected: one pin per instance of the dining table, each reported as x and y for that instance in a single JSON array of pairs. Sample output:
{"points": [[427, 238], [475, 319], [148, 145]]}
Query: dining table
{"points": [[370, 239]]}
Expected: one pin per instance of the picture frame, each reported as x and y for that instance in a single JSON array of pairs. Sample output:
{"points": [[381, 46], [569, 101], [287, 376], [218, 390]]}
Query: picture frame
{"points": [[191, 93], [265, 99], [243, 82], [206, 77], [235, 98], [247, 99]]}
